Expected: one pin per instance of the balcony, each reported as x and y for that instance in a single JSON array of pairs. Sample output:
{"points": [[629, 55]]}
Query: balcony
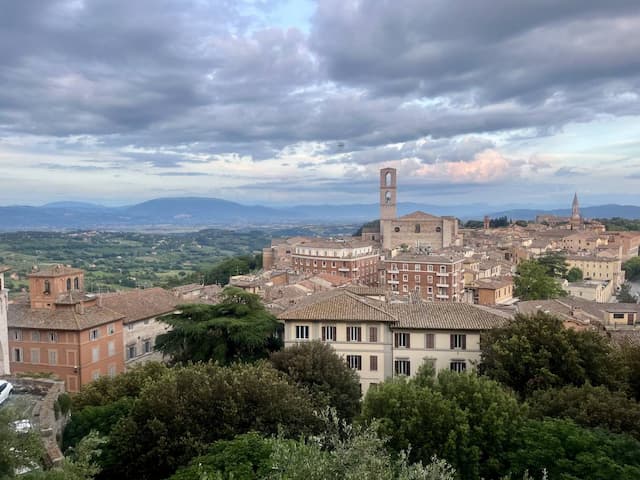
{"points": [[444, 297], [355, 269], [393, 270], [442, 274], [343, 269], [442, 285], [393, 282]]}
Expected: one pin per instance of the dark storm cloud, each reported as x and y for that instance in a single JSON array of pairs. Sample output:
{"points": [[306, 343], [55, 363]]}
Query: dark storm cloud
{"points": [[211, 79]]}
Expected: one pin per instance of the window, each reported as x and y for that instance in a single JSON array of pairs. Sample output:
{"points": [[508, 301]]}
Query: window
{"points": [[146, 346], [458, 341], [302, 332], [373, 334], [417, 228], [429, 268], [405, 288], [53, 337], [95, 353], [112, 370], [68, 284], [373, 363], [35, 355], [95, 375], [430, 279], [416, 267], [111, 329], [131, 352], [47, 287], [35, 336], [405, 277], [76, 283], [443, 269], [111, 349], [618, 315], [53, 357], [402, 340], [333, 264], [94, 334], [417, 278], [354, 334], [146, 321], [130, 326], [429, 289], [394, 266], [402, 367], [438, 229], [405, 266], [324, 263], [354, 361], [396, 229], [430, 341], [16, 334], [458, 366], [17, 355], [329, 333]]}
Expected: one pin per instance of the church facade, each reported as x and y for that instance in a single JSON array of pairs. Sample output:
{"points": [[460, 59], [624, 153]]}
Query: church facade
{"points": [[417, 230]]}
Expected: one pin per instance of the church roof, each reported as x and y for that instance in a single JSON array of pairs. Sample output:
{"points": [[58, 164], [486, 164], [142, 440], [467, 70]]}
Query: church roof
{"points": [[419, 215]]}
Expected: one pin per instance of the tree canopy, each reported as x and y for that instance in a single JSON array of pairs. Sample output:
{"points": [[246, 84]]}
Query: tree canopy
{"points": [[536, 352], [625, 295], [318, 368], [574, 274], [533, 282], [238, 328], [632, 268]]}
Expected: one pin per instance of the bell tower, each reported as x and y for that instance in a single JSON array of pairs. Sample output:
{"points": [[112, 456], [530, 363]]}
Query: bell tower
{"points": [[388, 206]]}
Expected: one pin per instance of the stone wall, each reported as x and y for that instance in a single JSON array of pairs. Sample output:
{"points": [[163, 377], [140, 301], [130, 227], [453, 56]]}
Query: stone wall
{"points": [[44, 418]]}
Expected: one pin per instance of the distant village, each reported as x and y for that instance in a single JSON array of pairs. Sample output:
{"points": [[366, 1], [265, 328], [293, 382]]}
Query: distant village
{"points": [[415, 288]]}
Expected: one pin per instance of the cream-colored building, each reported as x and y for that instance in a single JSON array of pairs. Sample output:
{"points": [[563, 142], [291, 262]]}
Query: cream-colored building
{"points": [[4, 328], [598, 268], [380, 340], [141, 325], [584, 241], [599, 291]]}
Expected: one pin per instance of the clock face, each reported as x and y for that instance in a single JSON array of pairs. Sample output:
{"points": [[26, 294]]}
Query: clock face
{"points": [[387, 197]]}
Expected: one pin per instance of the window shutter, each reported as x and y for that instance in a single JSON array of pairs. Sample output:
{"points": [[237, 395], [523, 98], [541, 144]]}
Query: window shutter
{"points": [[373, 334], [464, 342], [451, 338], [408, 368], [408, 340], [373, 363], [348, 334], [324, 333], [395, 340], [359, 334]]}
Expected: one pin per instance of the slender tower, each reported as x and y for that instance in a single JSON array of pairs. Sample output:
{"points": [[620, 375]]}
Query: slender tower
{"points": [[576, 219], [4, 327], [388, 207]]}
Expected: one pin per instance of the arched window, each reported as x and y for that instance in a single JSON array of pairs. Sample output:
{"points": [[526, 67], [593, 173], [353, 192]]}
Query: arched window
{"points": [[387, 179], [68, 284], [417, 228], [387, 197], [47, 287], [76, 283]]}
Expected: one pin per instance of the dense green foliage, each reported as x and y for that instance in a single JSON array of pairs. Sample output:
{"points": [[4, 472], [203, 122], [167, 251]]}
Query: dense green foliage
{"points": [[569, 452], [177, 414], [533, 282], [17, 449], [618, 224], [238, 328], [589, 406], [373, 224], [342, 453], [554, 263], [474, 224], [629, 353], [239, 265], [574, 274], [624, 295], [316, 367], [499, 222], [632, 268], [536, 352], [469, 420]]}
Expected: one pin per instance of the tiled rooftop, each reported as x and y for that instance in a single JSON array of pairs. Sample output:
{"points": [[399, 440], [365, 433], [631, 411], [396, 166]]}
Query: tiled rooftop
{"points": [[141, 304], [67, 318], [55, 271]]}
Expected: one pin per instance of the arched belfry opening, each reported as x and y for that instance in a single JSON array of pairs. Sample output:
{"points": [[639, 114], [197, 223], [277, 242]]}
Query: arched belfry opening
{"points": [[387, 179]]}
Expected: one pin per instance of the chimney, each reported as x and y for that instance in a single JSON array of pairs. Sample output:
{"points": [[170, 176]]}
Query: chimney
{"points": [[80, 307]]}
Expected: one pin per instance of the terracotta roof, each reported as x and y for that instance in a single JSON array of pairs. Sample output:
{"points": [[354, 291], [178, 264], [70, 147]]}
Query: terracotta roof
{"points": [[335, 280], [338, 305], [444, 316], [426, 258], [141, 304], [365, 291], [56, 271], [20, 315], [419, 215]]}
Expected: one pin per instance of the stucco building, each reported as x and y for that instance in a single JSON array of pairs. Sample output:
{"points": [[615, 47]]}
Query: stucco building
{"points": [[380, 340], [63, 331], [5, 368], [598, 268]]}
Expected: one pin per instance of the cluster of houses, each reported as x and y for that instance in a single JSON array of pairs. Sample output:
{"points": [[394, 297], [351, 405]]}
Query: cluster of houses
{"points": [[416, 289]]}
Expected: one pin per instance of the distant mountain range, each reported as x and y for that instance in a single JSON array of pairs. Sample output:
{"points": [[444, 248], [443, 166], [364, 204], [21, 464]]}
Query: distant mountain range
{"points": [[190, 212]]}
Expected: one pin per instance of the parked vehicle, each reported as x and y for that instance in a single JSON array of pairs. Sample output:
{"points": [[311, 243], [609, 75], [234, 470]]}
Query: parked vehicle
{"points": [[5, 390]]}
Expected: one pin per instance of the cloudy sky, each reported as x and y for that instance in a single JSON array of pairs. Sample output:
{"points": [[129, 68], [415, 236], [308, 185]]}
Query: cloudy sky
{"points": [[293, 101]]}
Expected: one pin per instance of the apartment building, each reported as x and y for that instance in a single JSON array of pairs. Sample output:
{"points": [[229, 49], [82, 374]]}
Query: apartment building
{"points": [[380, 340], [62, 331], [355, 259], [598, 268], [434, 277]]}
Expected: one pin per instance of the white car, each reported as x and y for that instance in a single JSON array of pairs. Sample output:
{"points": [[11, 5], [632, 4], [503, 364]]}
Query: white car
{"points": [[5, 390]]}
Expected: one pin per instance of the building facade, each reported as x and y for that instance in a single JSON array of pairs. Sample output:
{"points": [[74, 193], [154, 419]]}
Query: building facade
{"points": [[355, 260], [5, 366], [380, 340], [433, 277], [415, 230], [598, 268], [63, 331]]}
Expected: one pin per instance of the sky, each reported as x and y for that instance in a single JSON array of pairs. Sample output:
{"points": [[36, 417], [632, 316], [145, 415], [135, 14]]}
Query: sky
{"points": [[289, 102]]}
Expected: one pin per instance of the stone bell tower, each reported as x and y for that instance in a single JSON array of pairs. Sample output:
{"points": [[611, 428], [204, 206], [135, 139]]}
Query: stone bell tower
{"points": [[4, 328], [388, 205]]}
